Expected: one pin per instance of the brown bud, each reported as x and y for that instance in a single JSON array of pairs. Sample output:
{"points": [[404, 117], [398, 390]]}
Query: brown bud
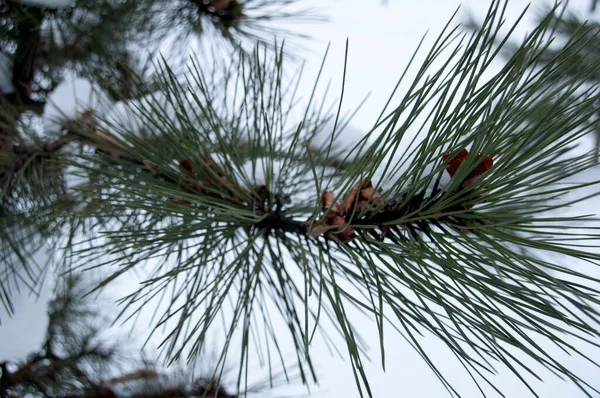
{"points": [[349, 200], [327, 200], [317, 230], [362, 205], [221, 5], [345, 235], [107, 138], [148, 166], [367, 192], [179, 201], [338, 220], [456, 160], [186, 165], [479, 171]]}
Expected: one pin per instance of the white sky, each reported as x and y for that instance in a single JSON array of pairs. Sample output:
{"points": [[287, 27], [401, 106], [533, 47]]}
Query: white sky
{"points": [[382, 39]]}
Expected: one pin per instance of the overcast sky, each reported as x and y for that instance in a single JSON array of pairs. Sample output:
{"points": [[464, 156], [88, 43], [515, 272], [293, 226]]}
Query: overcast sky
{"points": [[382, 39]]}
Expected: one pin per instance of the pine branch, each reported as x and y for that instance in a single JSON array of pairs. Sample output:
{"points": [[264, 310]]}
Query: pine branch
{"points": [[206, 388], [66, 365], [456, 260], [23, 156], [69, 349], [226, 12], [21, 102], [362, 206]]}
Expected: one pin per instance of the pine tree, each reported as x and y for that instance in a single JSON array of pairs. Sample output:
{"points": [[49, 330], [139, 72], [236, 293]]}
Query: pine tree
{"points": [[109, 47], [570, 26], [218, 192], [76, 361]]}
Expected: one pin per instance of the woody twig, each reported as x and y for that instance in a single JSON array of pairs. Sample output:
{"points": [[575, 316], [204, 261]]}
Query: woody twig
{"points": [[363, 210]]}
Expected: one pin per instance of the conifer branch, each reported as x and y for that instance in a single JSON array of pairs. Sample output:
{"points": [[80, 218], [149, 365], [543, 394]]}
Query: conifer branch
{"points": [[452, 259], [456, 260]]}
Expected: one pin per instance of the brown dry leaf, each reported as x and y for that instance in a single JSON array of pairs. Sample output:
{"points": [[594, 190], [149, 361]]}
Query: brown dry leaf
{"points": [[362, 205], [384, 230], [107, 138], [376, 198], [344, 232], [233, 188], [338, 220], [139, 374], [209, 163]]}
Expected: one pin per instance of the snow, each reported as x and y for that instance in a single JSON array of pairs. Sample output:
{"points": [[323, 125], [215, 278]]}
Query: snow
{"points": [[6, 86], [256, 170], [139, 116], [344, 140], [26, 328], [75, 178], [49, 3], [70, 100]]}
